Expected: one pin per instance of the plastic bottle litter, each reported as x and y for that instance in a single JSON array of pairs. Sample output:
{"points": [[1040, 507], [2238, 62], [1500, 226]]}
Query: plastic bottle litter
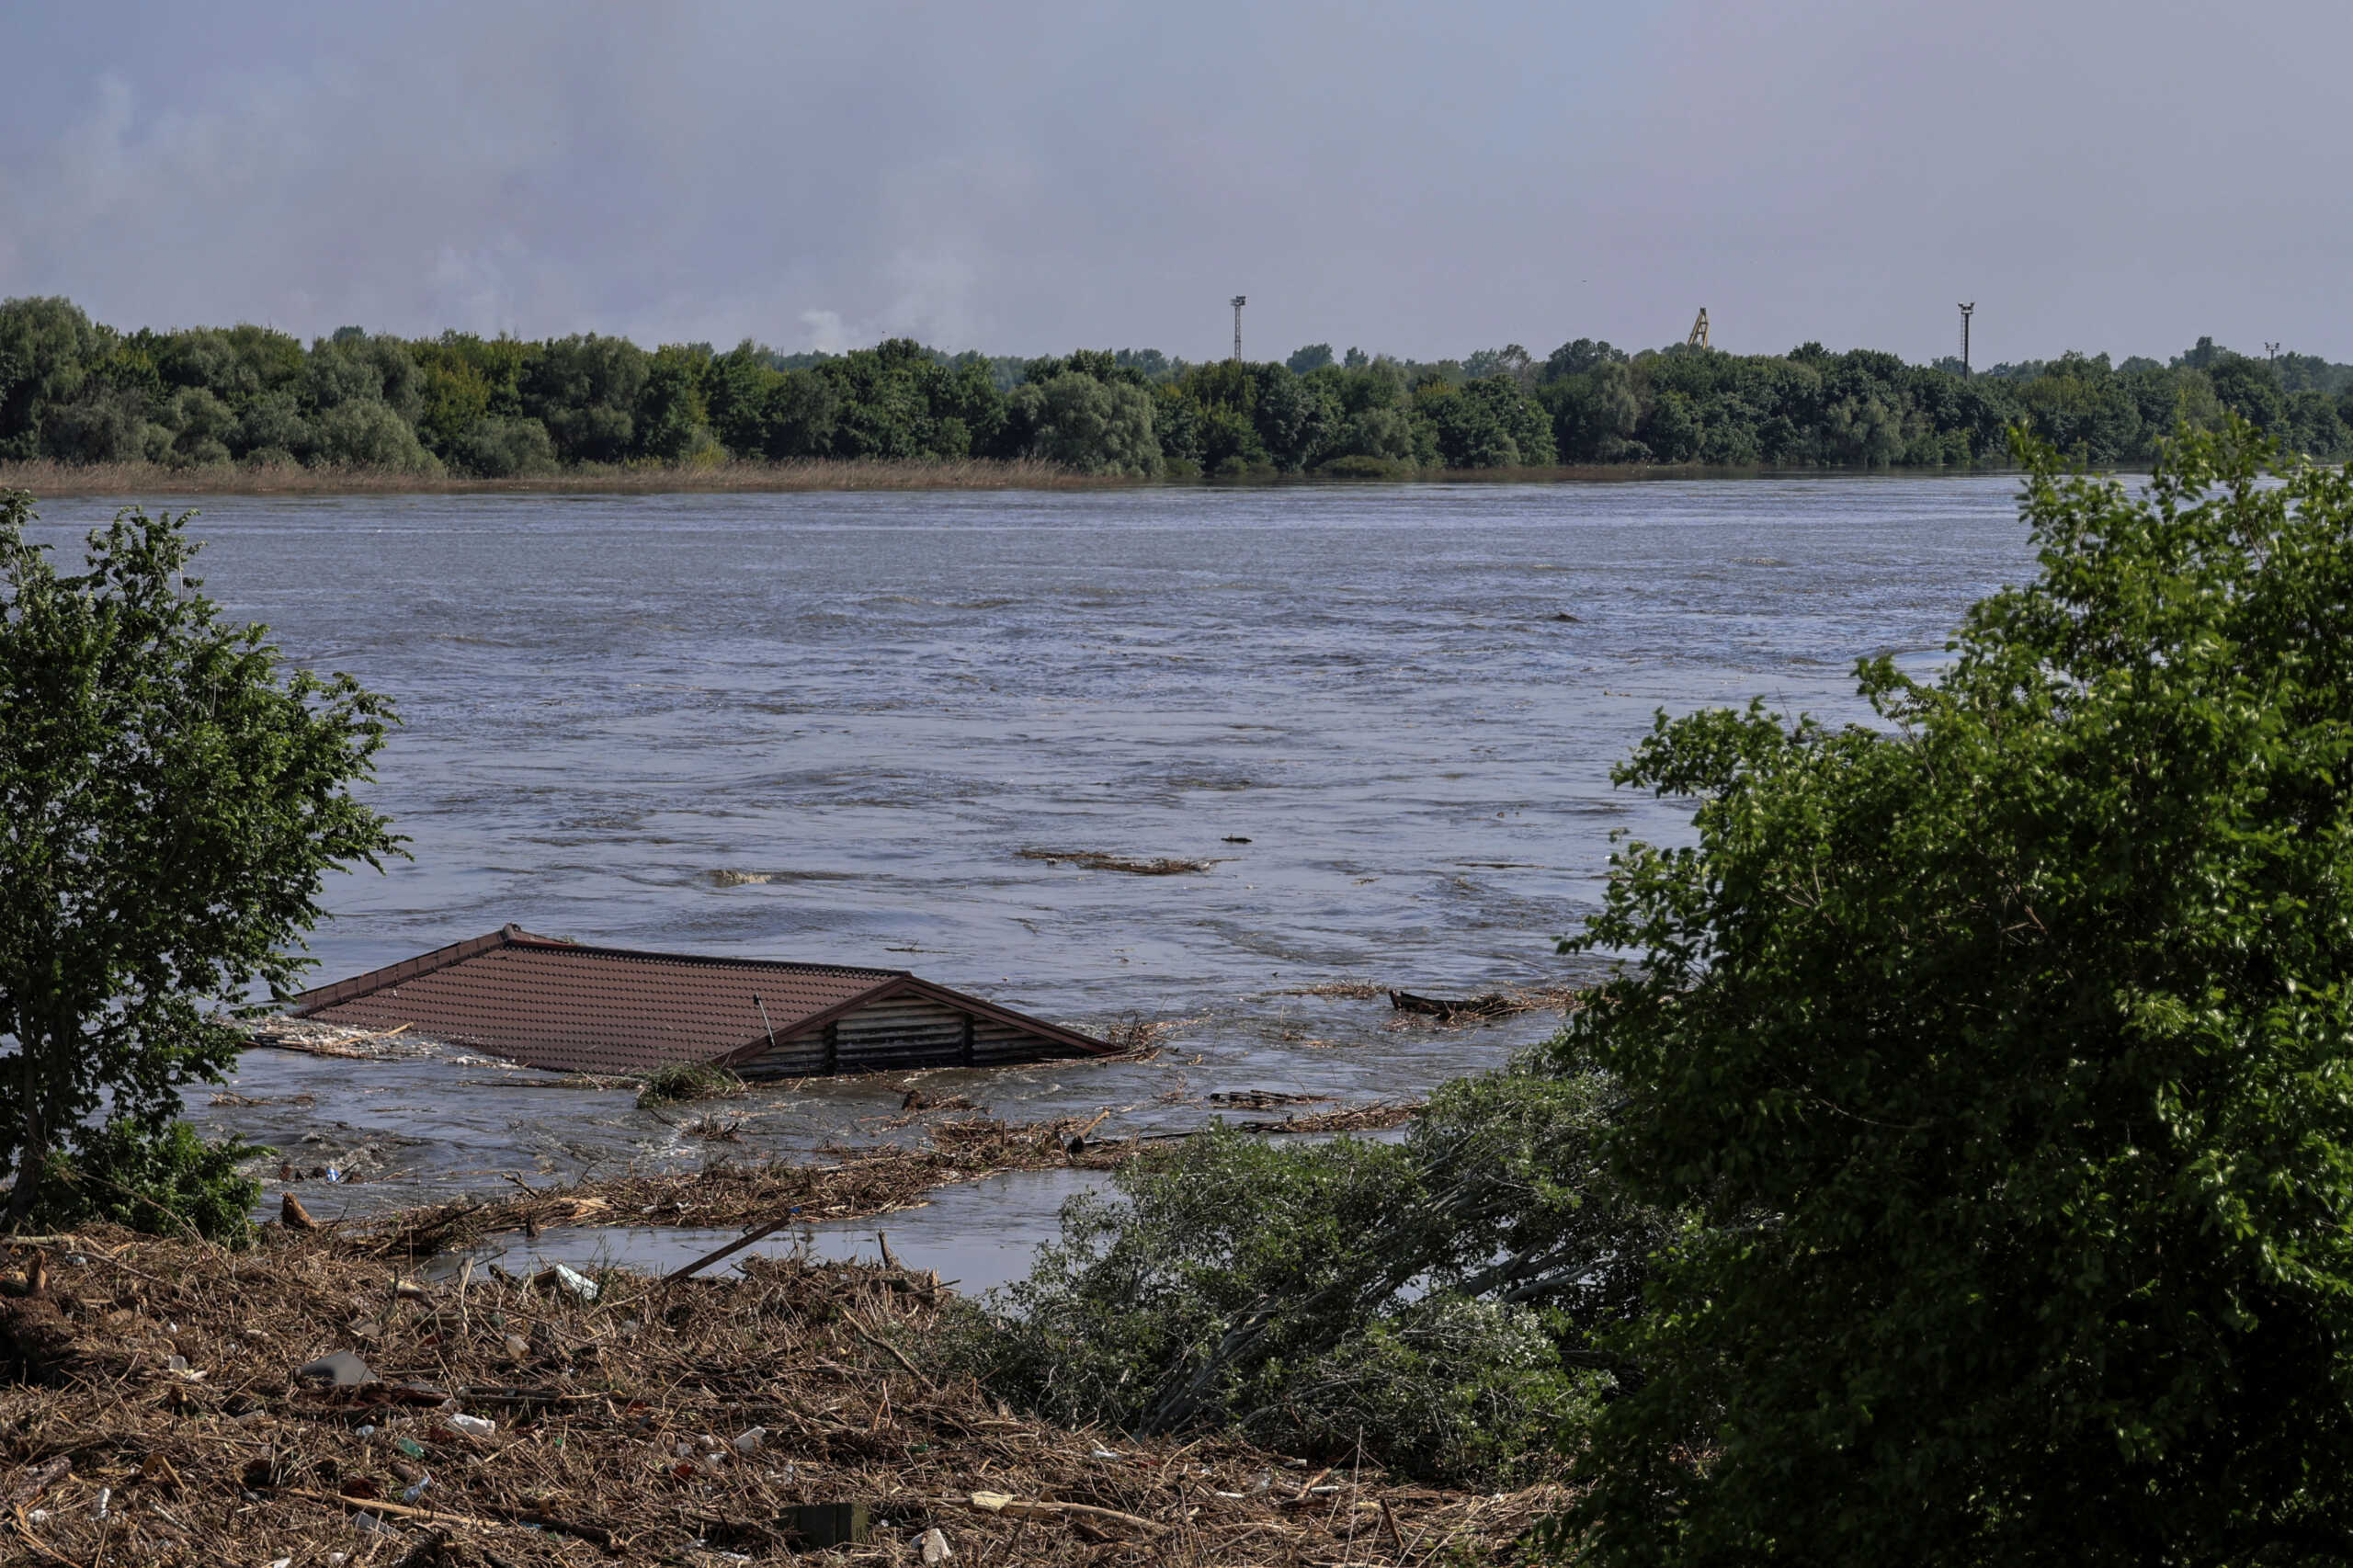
{"points": [[106, 1496], [578, 1285], [412, 1493], [748, 1440], [474, 1425]]}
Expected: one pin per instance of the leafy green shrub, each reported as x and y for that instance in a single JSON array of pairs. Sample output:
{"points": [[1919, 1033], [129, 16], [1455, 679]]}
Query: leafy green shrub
{"points": [[173, 791], [1436, 1300], [2026, 1019], [168, 1182], [505, 449], [687, 1081]]}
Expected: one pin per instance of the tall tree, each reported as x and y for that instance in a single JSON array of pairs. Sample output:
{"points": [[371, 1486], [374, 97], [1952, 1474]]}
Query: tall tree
{"points": [[172, 795]]}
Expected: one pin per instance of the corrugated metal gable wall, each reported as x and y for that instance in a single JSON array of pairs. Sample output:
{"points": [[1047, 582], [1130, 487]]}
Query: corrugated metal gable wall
{"points": [[901, 1033]]}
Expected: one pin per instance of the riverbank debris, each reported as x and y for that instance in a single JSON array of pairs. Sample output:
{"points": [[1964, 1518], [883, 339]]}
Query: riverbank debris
{"points": [[569, 1006], [851, 1182], [1097, 860], [607, 1435]]}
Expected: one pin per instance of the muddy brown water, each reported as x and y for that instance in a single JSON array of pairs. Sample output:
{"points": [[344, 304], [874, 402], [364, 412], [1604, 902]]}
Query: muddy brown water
{"points": [[824, 727]]}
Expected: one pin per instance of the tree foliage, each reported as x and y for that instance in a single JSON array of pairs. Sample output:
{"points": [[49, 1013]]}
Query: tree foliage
{"points": [[76, 391], [2005, 1053], [172, 795]]}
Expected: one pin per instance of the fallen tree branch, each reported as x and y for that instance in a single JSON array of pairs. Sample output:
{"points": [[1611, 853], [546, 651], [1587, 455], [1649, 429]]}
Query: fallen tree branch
{"points": [[595, 1535], [1014, 1509]]}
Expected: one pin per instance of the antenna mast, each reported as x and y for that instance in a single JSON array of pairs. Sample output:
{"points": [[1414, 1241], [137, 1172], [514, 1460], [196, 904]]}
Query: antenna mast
{"points": [[1239, 300], [1965, 313]]}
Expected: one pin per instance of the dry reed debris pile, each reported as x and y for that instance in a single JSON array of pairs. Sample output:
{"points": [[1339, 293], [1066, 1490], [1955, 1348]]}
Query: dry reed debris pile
{"points": [[852, 1184], [279, 1032], [197, 1406]]}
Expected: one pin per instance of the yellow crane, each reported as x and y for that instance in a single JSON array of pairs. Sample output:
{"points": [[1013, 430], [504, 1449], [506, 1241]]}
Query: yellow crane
{"points": [[1699, 338]]}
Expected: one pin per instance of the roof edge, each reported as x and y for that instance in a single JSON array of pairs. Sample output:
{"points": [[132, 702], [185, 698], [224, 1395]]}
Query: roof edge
{"points": [[909, 984], [512, 935], [341, 991], [1086, 1042]]}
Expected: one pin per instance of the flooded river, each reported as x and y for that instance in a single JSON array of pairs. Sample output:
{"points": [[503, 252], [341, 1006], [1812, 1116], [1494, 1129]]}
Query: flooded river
{"points": [[825, 727]]}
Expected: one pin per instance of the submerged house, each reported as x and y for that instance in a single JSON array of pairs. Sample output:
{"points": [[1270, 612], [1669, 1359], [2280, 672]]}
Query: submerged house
{"points": [[574, 1008]]}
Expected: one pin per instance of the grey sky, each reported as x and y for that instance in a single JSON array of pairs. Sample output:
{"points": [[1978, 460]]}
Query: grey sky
{"points": [[1426, 179]]}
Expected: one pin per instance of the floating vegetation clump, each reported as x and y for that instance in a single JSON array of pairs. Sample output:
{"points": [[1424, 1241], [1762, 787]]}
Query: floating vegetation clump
{"points": [[684, 1081]]}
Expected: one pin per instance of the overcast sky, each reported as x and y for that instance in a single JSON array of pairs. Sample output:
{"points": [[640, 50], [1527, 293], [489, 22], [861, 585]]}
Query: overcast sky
{"points": [[1425, 179]]}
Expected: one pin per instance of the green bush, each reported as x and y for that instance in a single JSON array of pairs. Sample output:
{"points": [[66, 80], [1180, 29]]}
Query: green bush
{"points": [[505, 449], [1436, 1301], [167, 1183], [2023, 1020]]}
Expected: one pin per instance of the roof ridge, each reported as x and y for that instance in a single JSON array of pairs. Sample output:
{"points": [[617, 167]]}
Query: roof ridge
{"points": [[512, 935], [519, 937]]}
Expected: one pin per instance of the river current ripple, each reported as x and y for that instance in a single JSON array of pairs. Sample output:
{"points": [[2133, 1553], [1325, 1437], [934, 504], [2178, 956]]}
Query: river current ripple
{"points": [[823, 727]]}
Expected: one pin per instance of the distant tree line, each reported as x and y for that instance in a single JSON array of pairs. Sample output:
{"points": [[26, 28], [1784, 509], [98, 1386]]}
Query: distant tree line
{"points": [[78, 391]]}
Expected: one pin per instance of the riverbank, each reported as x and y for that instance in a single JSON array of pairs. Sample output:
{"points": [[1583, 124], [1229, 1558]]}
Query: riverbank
{"points": [[139, 480], [153, 1409], [127, 479]]}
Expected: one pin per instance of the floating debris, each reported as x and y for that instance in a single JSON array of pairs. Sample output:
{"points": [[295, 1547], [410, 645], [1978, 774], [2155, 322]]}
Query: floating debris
{"points": [[1096, 860], [1340, 990], [1263, 1100], [1141, 1038], [1493, 1004], [356, 1042]]}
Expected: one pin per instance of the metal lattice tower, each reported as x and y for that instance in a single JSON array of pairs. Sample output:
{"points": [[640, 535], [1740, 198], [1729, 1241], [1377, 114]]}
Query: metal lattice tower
{"points": [[1965, 313], [1699, 338], [1239, 300]]}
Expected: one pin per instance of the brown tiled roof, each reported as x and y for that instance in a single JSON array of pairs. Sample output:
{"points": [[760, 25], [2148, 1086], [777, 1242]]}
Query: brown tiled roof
{"points": [[575, 1008]]}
